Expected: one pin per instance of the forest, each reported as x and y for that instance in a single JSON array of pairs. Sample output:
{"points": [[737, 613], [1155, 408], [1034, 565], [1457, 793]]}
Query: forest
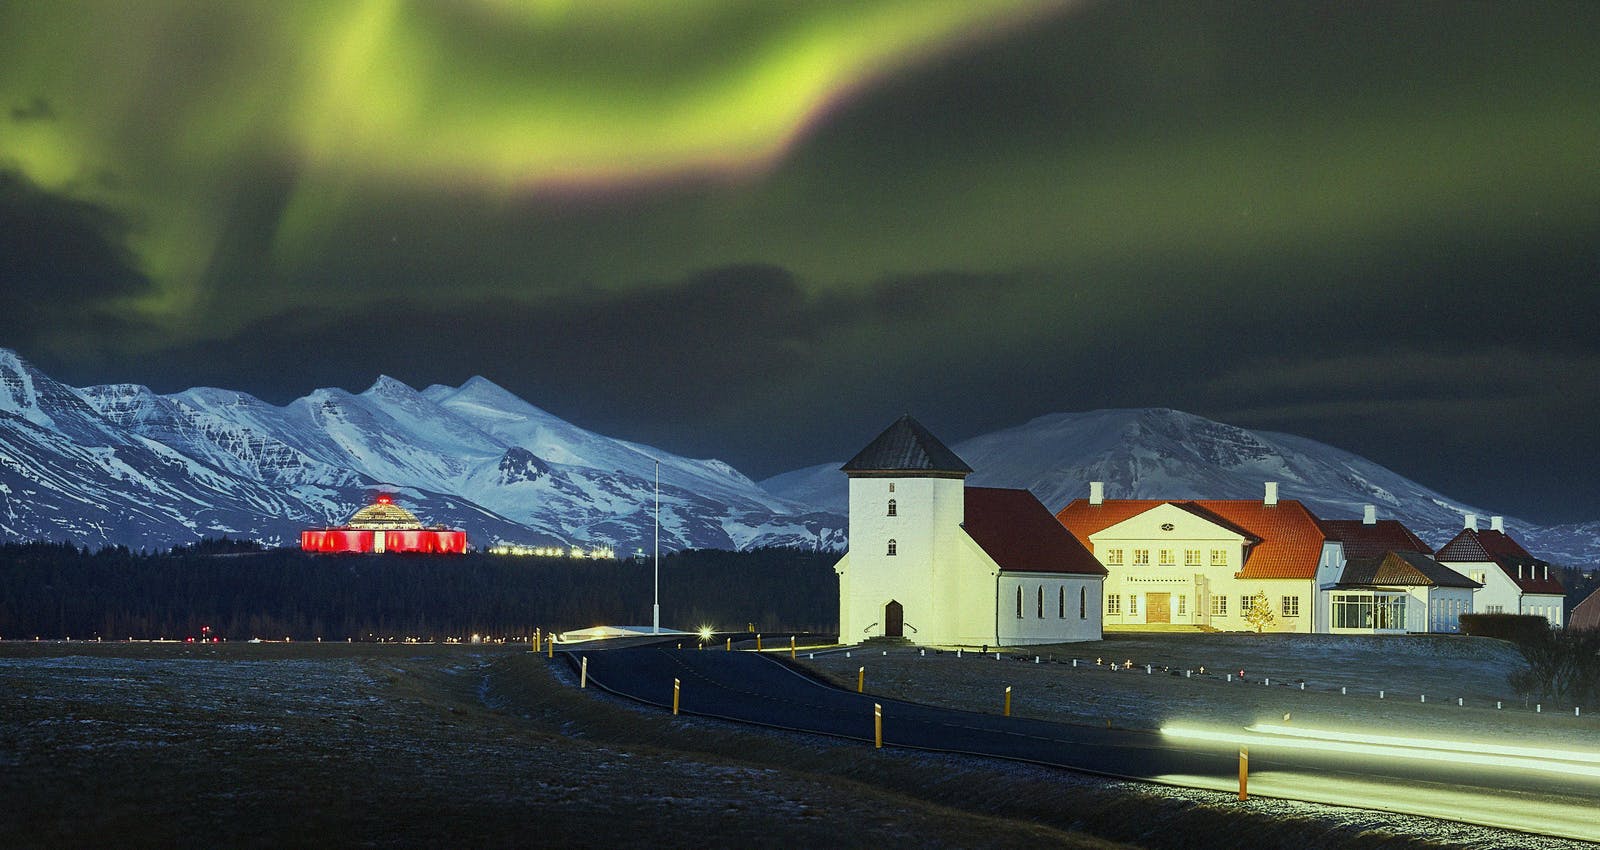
{"points": [[240, 591]]}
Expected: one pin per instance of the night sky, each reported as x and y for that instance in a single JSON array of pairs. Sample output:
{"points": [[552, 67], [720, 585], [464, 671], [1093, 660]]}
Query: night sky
{"points": [[762, 230]]}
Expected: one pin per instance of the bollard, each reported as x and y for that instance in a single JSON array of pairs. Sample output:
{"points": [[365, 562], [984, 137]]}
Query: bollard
{"points": [[886, 652], [1244, 773], [1380, 694], [1497, 705], [1230, 677], [583, 675], [1147, 669], [811, 655], [791, 647], [1344, 691], [861, 680], [1538, 709], [552, 646], [923, 653], [1008, 701], [958, 653], [877, 726], [1074, 662], [1188, 674], [847, 654], [730, 644], [538, 638], [1461, 702], [758, 643], [1036, 659], [1302, 686], [675, 688], [1577, 711], [1424, 698], [1266, 681]]}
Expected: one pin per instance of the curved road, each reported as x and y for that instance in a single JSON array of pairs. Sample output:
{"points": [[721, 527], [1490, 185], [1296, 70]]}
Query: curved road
{"points": [[750, 687]]}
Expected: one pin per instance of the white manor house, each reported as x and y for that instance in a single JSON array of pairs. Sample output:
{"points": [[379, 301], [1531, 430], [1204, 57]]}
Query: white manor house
{"points": [[936, 562]]}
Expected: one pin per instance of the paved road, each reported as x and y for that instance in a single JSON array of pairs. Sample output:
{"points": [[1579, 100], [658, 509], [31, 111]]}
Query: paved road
{"points": [[754, 688]]}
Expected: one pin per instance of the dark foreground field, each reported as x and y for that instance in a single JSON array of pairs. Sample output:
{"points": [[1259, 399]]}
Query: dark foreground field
{"points": [[329, 745]]}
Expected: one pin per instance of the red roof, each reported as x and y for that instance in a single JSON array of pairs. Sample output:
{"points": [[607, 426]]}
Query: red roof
{"points": [[1373, 541], [1475, 546], [1289, 542], [1016, 530], [1586, 614]]}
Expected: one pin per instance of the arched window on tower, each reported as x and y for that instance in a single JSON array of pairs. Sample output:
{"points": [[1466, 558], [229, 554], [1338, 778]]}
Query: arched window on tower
{"points": [[892, 508], [1083, 602], [891, 547], [1019, 601], [1039, 605], [1061, 602]]}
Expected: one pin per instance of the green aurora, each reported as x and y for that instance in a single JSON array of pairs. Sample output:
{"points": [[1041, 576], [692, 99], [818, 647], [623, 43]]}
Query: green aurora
{"points": [[759, 230]]}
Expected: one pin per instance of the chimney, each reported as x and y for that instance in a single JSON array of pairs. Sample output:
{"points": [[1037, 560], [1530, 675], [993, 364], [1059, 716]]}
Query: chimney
{"points": [[1497, 523], [1369, 515], [1097, 492], [1272, 494], [1472, 522]]}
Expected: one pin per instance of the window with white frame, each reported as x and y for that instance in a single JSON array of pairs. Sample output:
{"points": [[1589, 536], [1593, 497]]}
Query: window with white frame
{"points": [[1113, 603], [1183, 605], [1167, 558], [1114, 557], [892, 547], [1219, 557], [892, 508], [1291, 606], [1133, 605], [1244, 605], [1219, 606], [1141, 557], [1191, 557]]}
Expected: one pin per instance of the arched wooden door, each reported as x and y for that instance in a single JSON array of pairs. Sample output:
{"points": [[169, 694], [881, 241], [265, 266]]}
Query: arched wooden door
{"points": [[894, 619]]}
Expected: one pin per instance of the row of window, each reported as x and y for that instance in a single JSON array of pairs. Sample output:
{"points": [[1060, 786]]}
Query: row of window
{"points": [[1061, 602], [1165, 557], [1289, 606]]}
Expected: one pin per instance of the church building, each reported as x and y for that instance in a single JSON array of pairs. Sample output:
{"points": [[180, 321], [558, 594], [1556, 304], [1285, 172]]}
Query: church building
{"points": [[934, 561]]}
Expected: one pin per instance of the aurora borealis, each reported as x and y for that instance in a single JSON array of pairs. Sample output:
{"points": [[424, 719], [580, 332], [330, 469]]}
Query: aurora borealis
{"points": [[759, 231]]}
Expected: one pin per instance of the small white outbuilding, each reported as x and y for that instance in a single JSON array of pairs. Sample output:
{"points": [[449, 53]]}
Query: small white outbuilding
{"points": [[938, 563]]}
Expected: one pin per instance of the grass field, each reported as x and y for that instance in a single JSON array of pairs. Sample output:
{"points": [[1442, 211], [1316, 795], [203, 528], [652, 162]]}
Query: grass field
{"points": [[168, 745]]}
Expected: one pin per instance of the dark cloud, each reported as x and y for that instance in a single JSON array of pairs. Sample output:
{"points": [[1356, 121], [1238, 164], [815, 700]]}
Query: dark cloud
{"points": [[37, 109], [61, 261]]}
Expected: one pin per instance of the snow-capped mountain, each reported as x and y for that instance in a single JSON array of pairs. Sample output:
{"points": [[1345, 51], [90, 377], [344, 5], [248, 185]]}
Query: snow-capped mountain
{"points": [[1154, 453], [121, 464]]}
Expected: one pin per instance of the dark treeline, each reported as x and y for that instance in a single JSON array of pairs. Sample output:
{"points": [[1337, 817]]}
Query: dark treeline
{"points": [[58, 590]]}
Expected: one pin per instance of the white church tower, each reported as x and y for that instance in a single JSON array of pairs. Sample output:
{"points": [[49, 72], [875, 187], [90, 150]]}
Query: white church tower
{"points": [[902, 575]]}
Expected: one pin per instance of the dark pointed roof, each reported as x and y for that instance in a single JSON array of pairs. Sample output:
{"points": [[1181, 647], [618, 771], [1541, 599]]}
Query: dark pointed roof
{"points": [[1402, 569], [1372, 541], [1472, 545], [907, 447]]}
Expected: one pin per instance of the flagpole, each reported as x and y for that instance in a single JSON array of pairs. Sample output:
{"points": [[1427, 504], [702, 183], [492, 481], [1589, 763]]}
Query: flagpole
{"points": [[655, 611]]}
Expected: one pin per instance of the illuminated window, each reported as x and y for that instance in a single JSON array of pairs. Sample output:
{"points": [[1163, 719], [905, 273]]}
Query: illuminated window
{"points": [[1114, 603], [1191, 557], [1183, 605], [1291, 606], [1133, 605], [892, 508], [891, 547], [1219, 557], [1141, 557], [1219, 606], [1114, 557], [1479, 576], [1167, 558], [1244, 605]]}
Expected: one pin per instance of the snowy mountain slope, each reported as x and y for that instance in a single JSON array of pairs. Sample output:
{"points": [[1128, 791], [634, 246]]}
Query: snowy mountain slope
{"points": [[121, 464], [1159, 453]]}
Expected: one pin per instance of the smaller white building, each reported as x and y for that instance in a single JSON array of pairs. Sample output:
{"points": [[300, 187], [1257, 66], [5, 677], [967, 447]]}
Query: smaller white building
{"points": [[933, 561], [1387, 581], [1513, 581]]}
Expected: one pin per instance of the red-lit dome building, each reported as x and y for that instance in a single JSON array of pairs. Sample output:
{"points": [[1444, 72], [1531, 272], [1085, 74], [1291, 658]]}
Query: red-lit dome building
{"points": [[384, 526]]}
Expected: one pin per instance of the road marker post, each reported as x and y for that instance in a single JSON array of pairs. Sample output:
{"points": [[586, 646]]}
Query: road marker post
{"points": [[1244, 773], [758, 643], [791, 647], [1008, 700], [861, 680], [538, 638], [730, 644], [551, 646], [676, 687], [583, 672], [877, 726]]}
